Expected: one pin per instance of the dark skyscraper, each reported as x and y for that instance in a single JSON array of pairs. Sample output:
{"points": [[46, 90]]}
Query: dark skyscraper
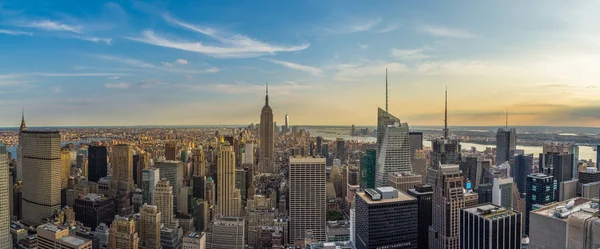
{"points": [[424, 195], [558, 165], [598, 156], [541, 189], [170, 151], [97, 164], [416, 142], [385, 218], [445, 150], [506, 144], [367, 169], [137, 181], [523, 167], [488, 226], [341, 149], [94, 209]]}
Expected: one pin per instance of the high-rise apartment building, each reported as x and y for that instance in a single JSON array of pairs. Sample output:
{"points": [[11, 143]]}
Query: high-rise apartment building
{"points": [[448, 199], [393, 147], [150, 223], [173, 172], [489, 226], [97, 164], [171, 151], [424, 195], [266, 156], [506, 144], [523, 167], [386, 218], [41, 174], [5, 214], [122, 234], [93, 209], [226, 182], [150, 178], [50, 236], [226, 233], [540, 190], [368, 164], [403, 181], [307, 207], [163, 200]]}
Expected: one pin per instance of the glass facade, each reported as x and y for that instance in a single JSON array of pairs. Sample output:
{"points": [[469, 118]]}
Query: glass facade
{"points": [[367, 169]]}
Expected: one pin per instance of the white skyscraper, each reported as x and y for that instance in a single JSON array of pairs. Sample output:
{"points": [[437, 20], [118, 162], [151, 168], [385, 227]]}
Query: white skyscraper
{"points": [[249, 153], [5, 236], [393, 144], [307, 198]]}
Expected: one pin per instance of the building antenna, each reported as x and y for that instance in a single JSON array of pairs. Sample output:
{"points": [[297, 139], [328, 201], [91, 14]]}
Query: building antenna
{"points": [[446, 113], [506, 119], [386, 91]]}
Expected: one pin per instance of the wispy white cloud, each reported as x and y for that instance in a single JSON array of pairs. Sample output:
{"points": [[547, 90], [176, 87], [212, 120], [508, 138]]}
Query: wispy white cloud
{"points": [[49, 25], [178, 61], [143, 64], [231, 45], [441, 31], [355, 26], [14, 32], [107, 41], [72, 74], [359, 27], [388, 28], [244, 88], [410, 54], [122, 85], [181, 61], [291, 82], [363, 46], [296, 66], [114, 77], [356, 72]]}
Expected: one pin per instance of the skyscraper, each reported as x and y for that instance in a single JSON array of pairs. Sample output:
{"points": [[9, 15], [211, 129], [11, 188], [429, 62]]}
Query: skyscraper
{"points": [[121, 186], [226, 181], [523, 167], [502, 192], [541, 189], [150, 220], [598, 156], [171, 151], [445, 150], [22, 128], [93, 209], [65, 167], [5, 236], [41, 174], [558, 165], [416, 142], [506, 144], [307, 198], [393, 147], [266, 157], [150, 178], [423, 194], [163, 200], [97, 164], [386, 218], [198, 162], [172, 171], [122, 234], [448, 199], [287, 123], [489, 226], [368, 162], [226, 233]]}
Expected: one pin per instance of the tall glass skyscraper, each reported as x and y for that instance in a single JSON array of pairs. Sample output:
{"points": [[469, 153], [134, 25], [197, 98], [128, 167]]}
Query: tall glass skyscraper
{"points": [[506, 144], [523, 167], [541, 189], [393, 147], [367, 169], [97, 163]]}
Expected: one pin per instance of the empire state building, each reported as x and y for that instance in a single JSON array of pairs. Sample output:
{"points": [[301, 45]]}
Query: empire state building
{"points": [[266, 158]]}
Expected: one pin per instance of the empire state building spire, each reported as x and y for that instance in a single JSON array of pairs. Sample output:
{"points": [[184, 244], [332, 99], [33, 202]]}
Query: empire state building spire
{"points": [[267, 95], [266, 156]]}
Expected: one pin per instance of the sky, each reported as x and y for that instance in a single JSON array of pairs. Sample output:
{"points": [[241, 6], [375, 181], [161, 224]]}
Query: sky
{"points": [[190, 62]]}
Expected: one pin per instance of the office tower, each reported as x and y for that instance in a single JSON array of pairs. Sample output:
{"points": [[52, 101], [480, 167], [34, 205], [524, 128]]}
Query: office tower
{"points": [[121, 185], [598, 156], [448, 199], [266, 157], [136, 200], [163, 200], [150, 177], [65, 167], [97, 164], [20, 148], [320, 146], [249, 153], [93, 209], [198, 162], [506, 144], [558, 165], [122, 234], [287, 123], [241, 184], [5, 215], [307, 198], [416, 142], [403, 181], [445, 150], [150, 223], [541, 189], [41, 174], [575, 162], [226, 181], [591, 174], [352, 186], [424, 194], [386, 218], [172, 171], [469, 168], [51, 236], [137, 170], [340, 149], [502, 192], [572, 223], [523, 167], [226, 233], [393, 147], [171, 151], [194, 240], [18, 200], [81, 163], [368, 162], [489, 226]]}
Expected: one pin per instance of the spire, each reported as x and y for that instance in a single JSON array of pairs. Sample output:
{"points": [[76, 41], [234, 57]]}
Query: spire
{"points": [[267, 95], [446, 114], [23, 126], [386, 91], [506, 119]]}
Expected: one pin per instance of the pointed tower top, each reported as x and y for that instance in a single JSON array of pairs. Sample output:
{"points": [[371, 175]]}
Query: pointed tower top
{"points": [[386, 91], [446, 113], [23, 126], [506, 119], [267, 95]]}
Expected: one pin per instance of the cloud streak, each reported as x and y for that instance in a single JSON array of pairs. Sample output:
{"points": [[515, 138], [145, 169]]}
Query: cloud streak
{"points": [[296, 66], [410, 54], [14, 32], [107, 41], [230, 45], [49, 25], [440, 31], [143, 64]]}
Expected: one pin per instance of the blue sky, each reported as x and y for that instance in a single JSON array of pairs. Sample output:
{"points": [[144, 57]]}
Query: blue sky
{"points": [[206, 62]]}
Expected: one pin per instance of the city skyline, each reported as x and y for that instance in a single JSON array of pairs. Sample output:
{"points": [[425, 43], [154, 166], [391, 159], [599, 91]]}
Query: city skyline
{"points": [[121, 63]]}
